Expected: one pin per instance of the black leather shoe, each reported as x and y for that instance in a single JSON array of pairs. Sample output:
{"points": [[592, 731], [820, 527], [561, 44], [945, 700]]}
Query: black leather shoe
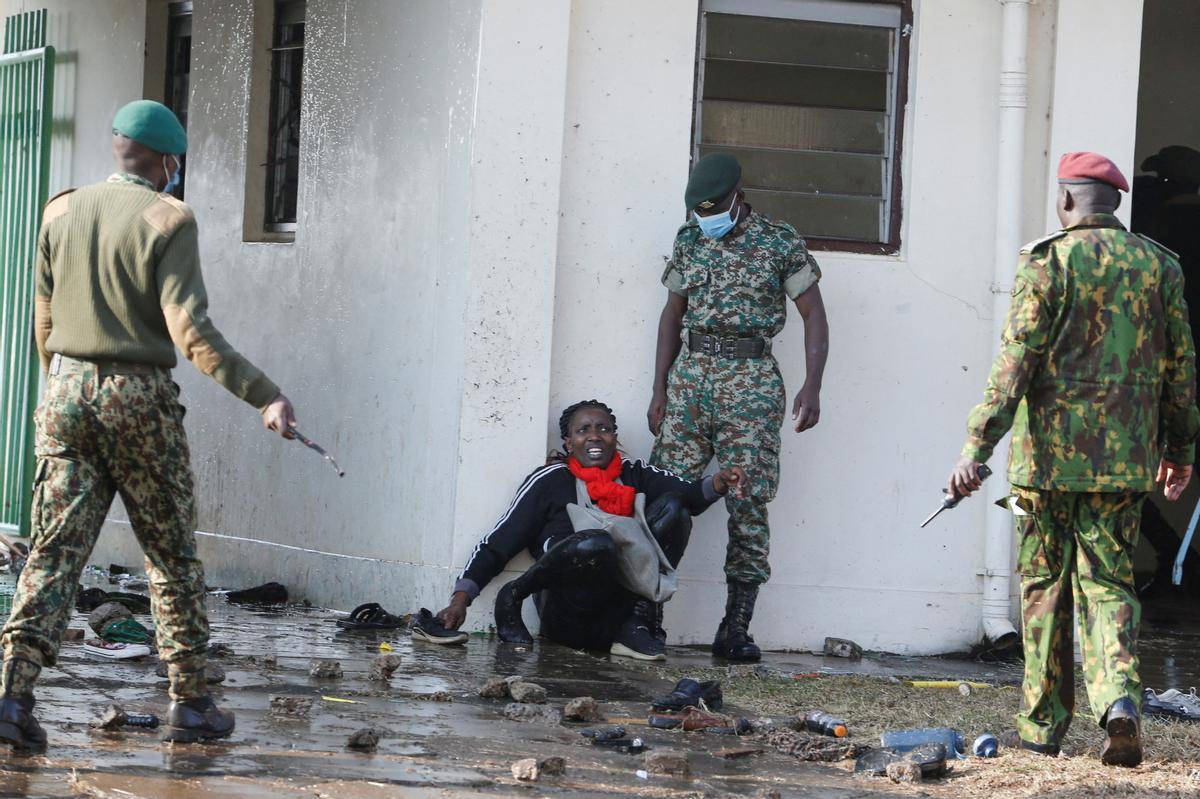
{"points": [[197, 720], [1049, 750], [689, 693], [18, 728], [1122, 734], [733, 640]]}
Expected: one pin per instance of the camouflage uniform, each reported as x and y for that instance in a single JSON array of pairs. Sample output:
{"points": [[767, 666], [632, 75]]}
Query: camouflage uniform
{"points": [[732, 408], [1095, 376]]}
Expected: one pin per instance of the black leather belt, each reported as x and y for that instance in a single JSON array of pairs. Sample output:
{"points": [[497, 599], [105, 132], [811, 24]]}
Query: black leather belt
{"points": [[63, 364], [726, 346]]}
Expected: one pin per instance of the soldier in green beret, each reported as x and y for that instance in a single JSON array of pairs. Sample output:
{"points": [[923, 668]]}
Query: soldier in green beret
{"points": [[118, 289], [717, 388], [1096, 379]]}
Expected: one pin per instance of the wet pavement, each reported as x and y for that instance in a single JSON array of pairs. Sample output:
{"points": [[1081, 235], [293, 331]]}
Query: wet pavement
{"points": [[440, 739]]}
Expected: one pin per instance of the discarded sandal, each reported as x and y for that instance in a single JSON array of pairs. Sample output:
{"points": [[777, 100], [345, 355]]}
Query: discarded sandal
{"points": [[426, 627], [689, 693], [115, 651], [371, 616]]}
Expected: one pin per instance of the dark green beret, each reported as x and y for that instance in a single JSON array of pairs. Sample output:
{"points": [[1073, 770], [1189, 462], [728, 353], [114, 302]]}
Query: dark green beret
{"points": [[713, 178], [152, 125]]}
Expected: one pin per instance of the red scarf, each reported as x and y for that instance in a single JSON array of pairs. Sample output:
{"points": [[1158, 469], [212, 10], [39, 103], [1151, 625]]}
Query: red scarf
{"points": [[610, 496]]}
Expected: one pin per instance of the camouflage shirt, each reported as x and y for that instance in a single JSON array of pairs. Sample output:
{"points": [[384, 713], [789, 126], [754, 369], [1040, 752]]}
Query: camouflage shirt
{"points": [[1096, 370], [740, 283]]}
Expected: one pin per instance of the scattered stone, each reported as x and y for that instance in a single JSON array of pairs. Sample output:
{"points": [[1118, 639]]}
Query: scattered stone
{"points": [[768, 793], [904, 772], [107, 613], [553, 766], [513, 679], [843, 648], [74, 634], [365, 740], [582, 708], [290, 706], [538, 714], [666, 763], [325, 670], [813, 748], [495, 688], [220, 651], [263, 661], [526, 770], [1010, 738], [383, 667], [527, 692], [737, 752], [437, 696], [113, 718]]}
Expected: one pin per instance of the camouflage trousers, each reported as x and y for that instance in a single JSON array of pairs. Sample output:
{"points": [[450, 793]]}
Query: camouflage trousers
{"points": [[1076, 552], [731, 409], [97, 436]]}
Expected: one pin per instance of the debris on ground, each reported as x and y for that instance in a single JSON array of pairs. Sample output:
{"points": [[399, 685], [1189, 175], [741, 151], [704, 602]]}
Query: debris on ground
{"points": [[106, 613], [929, 759], [265, 594], [365, 740], [325, 670], [527, 692], [74, 634], [582, 708], [666, 763], [691, 693], [220, 650], [529, 769], [114, 718], [842, 648], [738, 752], [768, 793], [383, 667], [538, 714], [904, 772], [290, 706], [603, 733], [813, 748], [495, 688]]}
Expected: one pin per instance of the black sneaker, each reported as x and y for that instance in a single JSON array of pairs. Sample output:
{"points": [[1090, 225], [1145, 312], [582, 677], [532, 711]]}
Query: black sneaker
{"points": [[197, 720], [426, 627], [18, 728], [636, 640]]}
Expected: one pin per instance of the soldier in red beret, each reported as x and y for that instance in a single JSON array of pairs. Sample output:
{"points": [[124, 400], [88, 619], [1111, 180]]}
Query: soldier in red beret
{"points": [[1096, 379]]}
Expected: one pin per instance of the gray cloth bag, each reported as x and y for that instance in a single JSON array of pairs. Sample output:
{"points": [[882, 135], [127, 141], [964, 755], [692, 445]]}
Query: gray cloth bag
{"points": [[642, 566]]}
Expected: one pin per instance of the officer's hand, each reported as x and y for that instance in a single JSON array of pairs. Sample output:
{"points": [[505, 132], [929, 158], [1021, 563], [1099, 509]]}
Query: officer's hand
{"points": [[1174, 477], [453, 615], [279, 416], [806, 410], [964, 479], [731, 479], [656, 412]]}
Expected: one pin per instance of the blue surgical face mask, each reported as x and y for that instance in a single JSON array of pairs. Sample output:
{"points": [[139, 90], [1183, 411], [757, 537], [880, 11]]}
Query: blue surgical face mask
{"points": [[173, 181], [718, 225]]}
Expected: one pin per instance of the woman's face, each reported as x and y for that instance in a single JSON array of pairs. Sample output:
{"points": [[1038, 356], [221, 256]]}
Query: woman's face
{"points": [[591, 437]]}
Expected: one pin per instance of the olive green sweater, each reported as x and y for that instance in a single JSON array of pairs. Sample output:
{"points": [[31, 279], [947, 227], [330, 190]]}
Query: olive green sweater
{"points": [[118, 279]]}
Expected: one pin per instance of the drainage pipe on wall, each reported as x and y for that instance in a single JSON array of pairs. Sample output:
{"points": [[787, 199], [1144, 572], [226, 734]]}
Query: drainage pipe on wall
{"points": [[1014, 99]]}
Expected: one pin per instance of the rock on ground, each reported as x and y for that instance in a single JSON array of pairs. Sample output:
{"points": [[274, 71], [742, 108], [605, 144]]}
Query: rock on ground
{"points": [[583, 708], [539, 714], [495, 688], [325, 670], [365, 740], [904, 772], [111, 719], [666, 763], [842, 648], [290, 706], [526, 769], [527, 692], [383, 667]]}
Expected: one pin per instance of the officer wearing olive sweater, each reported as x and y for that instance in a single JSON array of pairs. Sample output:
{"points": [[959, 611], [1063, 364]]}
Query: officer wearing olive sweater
{"points": [[119, 288]]}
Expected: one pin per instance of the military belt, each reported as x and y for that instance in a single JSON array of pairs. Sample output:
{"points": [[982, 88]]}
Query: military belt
{"points": [[63, 364], [726, 346]]}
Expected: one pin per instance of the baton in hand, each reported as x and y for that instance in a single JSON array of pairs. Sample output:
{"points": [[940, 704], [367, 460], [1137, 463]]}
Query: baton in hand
{"points": [[950, 501], [317, 448]]}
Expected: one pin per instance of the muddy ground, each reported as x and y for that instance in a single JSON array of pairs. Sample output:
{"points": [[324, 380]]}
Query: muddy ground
{"points": [[440, 739]]}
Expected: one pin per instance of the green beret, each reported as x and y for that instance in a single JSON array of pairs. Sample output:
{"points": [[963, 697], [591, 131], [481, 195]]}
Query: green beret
{"points": [[713, 178], [152, 125]]}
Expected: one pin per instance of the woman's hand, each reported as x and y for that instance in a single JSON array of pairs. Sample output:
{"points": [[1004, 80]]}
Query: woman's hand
{"points": [[731, 478], [453, 615]]}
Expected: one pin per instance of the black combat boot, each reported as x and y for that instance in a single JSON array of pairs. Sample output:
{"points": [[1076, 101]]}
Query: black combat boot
{"points": [[18, 728], [1122, 734], [197, 719], [638, 638], [577, 554], [733, 640]]}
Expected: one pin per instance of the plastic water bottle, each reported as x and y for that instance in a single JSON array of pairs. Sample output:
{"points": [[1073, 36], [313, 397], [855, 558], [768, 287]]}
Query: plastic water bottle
{"points": [[907, 740], [819, 721], [985, 745]]}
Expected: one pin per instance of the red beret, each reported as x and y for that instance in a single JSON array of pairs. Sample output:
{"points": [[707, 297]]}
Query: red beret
{"points": [[1090, 168]]}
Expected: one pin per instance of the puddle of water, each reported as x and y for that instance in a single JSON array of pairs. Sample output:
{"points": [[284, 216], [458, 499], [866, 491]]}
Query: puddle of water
{"points": [[1169, 641]]}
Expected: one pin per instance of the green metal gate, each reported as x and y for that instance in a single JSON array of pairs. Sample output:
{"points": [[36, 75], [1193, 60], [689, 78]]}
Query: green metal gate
{"points": [[26, 94]]}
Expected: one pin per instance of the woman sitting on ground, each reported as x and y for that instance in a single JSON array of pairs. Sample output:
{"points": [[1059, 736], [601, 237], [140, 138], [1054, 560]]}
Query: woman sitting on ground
{"points": [[579, 599]]}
